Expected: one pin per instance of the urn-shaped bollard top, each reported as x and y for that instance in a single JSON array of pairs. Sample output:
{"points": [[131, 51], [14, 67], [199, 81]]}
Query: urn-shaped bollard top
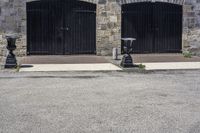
{"points": [[12, 36], [11, 40]]}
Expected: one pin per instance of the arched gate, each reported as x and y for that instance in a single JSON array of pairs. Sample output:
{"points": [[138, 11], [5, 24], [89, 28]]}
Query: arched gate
{"points": [[59, 27], [157, 26]]}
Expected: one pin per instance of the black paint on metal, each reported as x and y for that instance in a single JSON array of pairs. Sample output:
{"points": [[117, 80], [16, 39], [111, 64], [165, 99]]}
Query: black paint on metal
{"points": [[59, 27], [157, 26], [11, 61]]}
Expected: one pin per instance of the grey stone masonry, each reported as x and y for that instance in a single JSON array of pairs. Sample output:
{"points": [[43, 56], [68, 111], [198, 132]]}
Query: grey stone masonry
{"points": [[191, 26], [13, 19], [3, 51], [108, 26]]}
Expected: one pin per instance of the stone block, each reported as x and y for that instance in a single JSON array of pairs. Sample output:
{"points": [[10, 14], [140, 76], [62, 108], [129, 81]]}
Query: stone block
{"points": [[102, 1], [113, 19]]}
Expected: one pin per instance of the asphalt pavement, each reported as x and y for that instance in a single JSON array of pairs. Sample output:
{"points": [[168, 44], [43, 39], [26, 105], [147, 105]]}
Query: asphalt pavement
{"points": [[100, 102]]}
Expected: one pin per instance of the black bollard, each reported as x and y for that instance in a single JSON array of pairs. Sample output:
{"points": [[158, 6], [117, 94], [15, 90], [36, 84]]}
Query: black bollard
{"points": [[127, 60], [11, 61]]}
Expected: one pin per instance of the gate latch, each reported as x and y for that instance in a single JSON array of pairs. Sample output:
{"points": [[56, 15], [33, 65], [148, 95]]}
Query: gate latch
{"points": [[62, 28]]}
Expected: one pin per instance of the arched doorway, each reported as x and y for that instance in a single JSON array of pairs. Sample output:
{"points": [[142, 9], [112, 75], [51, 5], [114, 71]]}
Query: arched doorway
{"points": [[157, 26], [59, 27]]}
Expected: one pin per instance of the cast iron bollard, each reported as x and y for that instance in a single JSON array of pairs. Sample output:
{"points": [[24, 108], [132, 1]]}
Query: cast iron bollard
{"points": [[127, 60], [11, 61]]}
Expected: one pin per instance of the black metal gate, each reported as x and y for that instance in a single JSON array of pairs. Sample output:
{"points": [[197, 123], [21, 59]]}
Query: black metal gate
{"points": [[157, 26], [57, 27]]}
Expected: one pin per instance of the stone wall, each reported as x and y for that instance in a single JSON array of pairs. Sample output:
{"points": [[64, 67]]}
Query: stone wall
{"points": [[2, 51], [108, 26], [13, 19], [191, 26]]}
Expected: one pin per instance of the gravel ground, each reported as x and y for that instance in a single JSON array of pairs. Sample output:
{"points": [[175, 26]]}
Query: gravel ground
{"points": [[113, 102]]}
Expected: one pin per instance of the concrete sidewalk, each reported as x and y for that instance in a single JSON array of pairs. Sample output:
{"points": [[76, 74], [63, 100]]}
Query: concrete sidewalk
{"points": [[66, 63], [167, 61], [172, 66], [108, 67], [100, 63], [69, 67]]}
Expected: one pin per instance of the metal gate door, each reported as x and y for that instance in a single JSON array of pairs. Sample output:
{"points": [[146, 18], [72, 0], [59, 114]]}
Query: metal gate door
{"points": [[156, 26], [55, 28], [82, 32]]}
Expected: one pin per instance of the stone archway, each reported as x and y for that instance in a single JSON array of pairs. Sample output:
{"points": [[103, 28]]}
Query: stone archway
{"points": [[90, 1], [180, 2], [109, 22]]}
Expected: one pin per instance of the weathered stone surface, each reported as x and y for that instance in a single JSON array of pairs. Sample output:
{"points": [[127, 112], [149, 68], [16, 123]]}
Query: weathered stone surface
{"points": [[192, 41], [168, 1], [3, 50], [109, 27]]}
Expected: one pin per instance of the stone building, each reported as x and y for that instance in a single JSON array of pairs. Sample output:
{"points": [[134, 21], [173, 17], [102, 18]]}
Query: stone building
{"points": [[17, 16]]}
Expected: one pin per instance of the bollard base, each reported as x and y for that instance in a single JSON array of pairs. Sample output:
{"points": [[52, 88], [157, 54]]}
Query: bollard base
{"points": [[127, 61], [11, 62]]}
